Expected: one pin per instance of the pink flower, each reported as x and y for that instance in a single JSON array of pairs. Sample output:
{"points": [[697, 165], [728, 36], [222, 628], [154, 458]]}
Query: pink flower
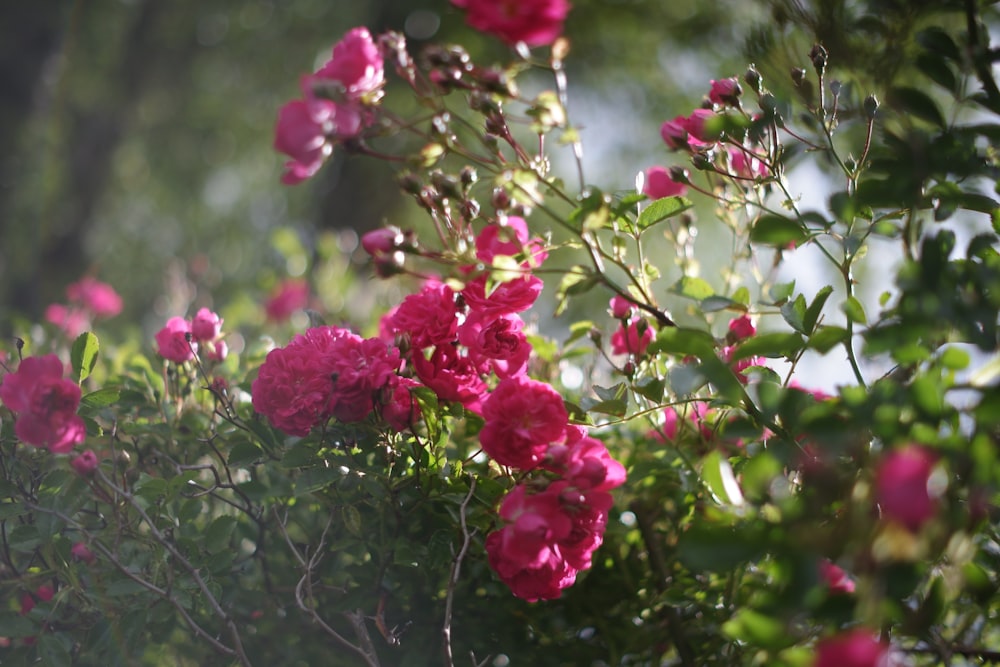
{"points": [[305, 132], [46, 404], [452, 376], [356, 64], [27, 604], [172, 341], [695, 412], [82, 553], [837, 581], [99, 298], [504, 298], [380, 242], [400, 411], [45, 593], [523, 417], [215, 350], [70, 319], [510, 237], [853, 648], [499, 341], [85, 464], [584, 461], [621, 308], [658, 184], [725, 92], [695, 124], [545, 582], [533, 22], [628, 339], [741, 328], [674, 133], [206, 325], [325, 372], [429, 317], [901, 491], [287, 298], [743, 163]]}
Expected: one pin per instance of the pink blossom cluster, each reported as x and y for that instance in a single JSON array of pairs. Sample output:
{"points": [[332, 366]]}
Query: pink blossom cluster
{"points": [[289, 297], [457, 341], [45, 404], [534, 22], [88, 299], [699, 132], [329, 372], [181, 339], [335, 105], [634, 334], [902, 486]]}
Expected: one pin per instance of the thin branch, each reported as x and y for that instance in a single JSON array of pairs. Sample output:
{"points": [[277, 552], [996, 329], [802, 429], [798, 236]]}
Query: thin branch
{"points": [[456, 567]]}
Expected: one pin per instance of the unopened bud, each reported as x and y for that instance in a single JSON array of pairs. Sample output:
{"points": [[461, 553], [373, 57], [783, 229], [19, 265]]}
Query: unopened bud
{"points": [[870, 106], [469, 209], [753, 79], [836, 87], [500, 200], [446, 185], [409, 183], [701, 162], [819, 57], [798, 75], [680, 175]]}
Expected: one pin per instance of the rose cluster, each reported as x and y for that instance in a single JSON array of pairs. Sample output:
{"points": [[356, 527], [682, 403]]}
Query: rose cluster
{"points": [[329, 372], [45, 403], [88, 299], [534, 22], [180, 339], [335, 105]]}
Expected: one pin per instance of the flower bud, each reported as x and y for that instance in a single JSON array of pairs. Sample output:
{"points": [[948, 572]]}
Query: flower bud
{"points": [[85, 464], [82, 553], [409, 183], [870, 106], [382, 241], [753, 79], [819, 57], [701, 162], [798, 75]]}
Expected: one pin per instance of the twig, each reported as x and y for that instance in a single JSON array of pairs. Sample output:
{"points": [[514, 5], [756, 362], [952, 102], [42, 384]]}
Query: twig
{"points": [[456, 567]]}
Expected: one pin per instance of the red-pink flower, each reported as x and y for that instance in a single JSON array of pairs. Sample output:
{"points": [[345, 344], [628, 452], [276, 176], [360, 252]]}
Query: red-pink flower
{"points": [[697, 126], [356, 64], [836, 580], [523, 417], [360, 369], [429, 317], [621, 308], [174, 342], [400, 411], [658, 184], [504, 298], [901, 486], [99, 298], [533, 22], [510, 237], [206, 325], [45, 404], [741, 327], [632, 337], [290, 296], [72, 320], [743, 163], [674, 133], [452, 376], [545, 582], [499, 341], [854, 648], [306, 130], [584, 461], [82, 553], [85, 464], [725, 92]]}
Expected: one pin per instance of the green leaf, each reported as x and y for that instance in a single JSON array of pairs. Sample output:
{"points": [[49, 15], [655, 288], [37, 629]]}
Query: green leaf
{"points": [[827, 338], [812, 314], [577, 280], [101, 398], [758, 629], [769, 345], [781, 291], [686, 379], [955, 359], [315, 479], [678, 340], [662, 209], [83, 356], [243, 453], [693, 288], [716, 303], [776, 230], [218, 534], [794, 313], [916, 102], [650, 387], [854, 310], [15, 626], [718, 475], [705, 547]]}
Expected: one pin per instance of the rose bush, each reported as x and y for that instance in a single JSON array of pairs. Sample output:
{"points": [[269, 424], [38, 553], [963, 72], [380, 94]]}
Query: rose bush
{"points": [[663, 480]]}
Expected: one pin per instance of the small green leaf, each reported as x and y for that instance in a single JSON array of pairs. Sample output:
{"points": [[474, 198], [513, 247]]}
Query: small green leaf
{"points": [[827, 338], [718, 475], [769, 345], [855, 311], [954, 358], [716, 303], [100, 398], [811, 317], [15, 626], [794, 313], [776, 230], [83, 356], [662, 209], [678, 340], [693, 288], [781, 292], [219, 533]]}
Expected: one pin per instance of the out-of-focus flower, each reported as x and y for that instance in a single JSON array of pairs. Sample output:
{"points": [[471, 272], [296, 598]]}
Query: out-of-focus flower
{"points": [[45, 404], [534, 22]]}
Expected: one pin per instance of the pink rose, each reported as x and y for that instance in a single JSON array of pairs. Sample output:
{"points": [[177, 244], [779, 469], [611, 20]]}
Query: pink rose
{"points": [[534, 22], [545, 582], [360, 370], [305, 131], [836, 580], [741, 328], [356, 64], [505, 298], [380, 242], [510, 237], [852, 648], [429, 317], [400, 411], [584, 461], [70, 319], [523, 417], [628, 339], [82, 553], [99, 298], [695, 124], [674, 133], [206, 325], [287, 298], [901, 486], [725, 92], [621, 308], [658, 184], [45, 404], [452, 376], [85, 464], [500, 341], [172, 341], [745, 164]]}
